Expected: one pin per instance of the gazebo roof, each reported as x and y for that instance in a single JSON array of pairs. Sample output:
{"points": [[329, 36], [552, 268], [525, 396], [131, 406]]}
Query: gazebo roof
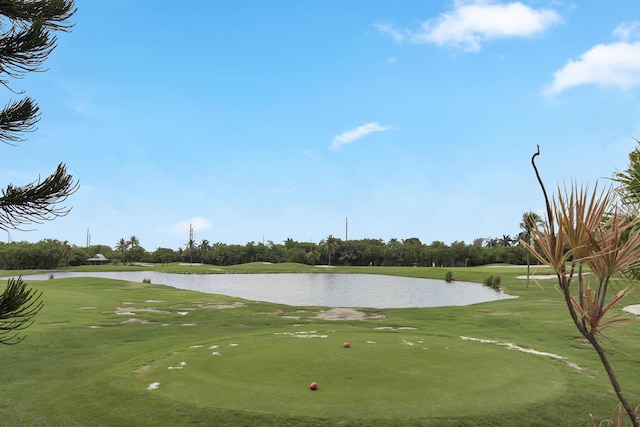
{"points": [[98, 257]]}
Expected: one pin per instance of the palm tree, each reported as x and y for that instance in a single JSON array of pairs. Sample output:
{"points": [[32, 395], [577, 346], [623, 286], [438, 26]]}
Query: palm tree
{"points": [[133, 242], [506, 240], [122, 247], [191, 247], [313, 255], [205, 249], [330, 246], [66, 252], [629, 180], [530, 220]]}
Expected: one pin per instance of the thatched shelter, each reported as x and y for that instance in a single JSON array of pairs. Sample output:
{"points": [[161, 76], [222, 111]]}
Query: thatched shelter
{"points": [[98, 259]]}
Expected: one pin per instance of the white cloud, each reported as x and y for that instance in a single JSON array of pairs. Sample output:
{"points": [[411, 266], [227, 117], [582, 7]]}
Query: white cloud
{"points": [[182, 227], [473, 22], [350, 136], [616, 64]]}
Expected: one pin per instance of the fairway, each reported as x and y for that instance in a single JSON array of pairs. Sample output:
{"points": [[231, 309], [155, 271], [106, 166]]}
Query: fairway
{"points": [[114, 353]]}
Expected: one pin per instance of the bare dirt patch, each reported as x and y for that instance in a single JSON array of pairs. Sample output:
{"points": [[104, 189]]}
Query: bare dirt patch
{"points": [[347, 314], [222, 306], [142, 369]]}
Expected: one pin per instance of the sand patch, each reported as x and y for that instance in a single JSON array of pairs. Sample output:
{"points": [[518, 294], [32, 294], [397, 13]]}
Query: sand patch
{"points": [[396, 328], [538, 277], [346, 314], [136, 320], [179, 366], [195, 264], [512, 346], [302, 334], [133, 311], [633, 309]]}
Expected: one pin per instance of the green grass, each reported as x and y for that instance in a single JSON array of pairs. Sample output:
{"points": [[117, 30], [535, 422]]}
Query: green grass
{"points": [[83, 364]]}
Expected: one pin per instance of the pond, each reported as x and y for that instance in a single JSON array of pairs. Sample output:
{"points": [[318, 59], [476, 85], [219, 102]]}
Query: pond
{"points": [[319, 289]]}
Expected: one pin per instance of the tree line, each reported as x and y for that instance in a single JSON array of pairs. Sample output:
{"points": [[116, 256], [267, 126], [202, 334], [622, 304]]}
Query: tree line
{"points": [[52, 253]]}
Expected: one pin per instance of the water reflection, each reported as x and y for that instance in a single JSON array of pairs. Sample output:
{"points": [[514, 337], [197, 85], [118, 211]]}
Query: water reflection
{"points": [[321, 289]]}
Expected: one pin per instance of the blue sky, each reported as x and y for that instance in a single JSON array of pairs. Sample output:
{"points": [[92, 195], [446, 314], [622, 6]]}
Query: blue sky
{"points": [[258, 120]]}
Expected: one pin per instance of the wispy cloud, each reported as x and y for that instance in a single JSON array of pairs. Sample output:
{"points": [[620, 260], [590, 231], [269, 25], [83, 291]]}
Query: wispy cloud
{"points": [[352, 135], [627, 31], [284, 190], [182, 227], [472, 22], [616, 64]]}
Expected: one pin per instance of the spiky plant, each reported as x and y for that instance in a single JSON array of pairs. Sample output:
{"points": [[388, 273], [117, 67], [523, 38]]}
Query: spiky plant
{"points": [[586, 228]]}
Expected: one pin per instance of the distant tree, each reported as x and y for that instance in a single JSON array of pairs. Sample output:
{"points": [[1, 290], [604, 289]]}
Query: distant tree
{"points": [[25, 43], [313, 255], [491, 242], [629, 181], [191, 248], [122, 247], [205, 250], [66, 252], [530, 220], [330, 246], [133, 242], [478, 241], [349, 256], [506, 240], [163, 255]]}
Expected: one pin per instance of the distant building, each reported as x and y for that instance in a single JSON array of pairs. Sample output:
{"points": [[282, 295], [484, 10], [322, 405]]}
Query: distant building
{"points": [[98, 259]]}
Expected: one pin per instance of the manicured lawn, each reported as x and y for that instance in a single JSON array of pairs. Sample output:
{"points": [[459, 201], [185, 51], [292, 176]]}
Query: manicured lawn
{"points": [[187, 358]]}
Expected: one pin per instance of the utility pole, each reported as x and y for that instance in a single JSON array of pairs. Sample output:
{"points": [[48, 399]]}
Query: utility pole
{"points": [[88, 238], [191, 243], [346, 229]]}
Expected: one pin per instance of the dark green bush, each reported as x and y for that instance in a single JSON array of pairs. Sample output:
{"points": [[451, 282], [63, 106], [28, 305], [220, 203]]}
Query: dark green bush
{"points": [[448, 277]]}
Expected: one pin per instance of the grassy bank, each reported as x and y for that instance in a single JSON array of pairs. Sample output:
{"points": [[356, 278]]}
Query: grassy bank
{"points": [[106, 352]]}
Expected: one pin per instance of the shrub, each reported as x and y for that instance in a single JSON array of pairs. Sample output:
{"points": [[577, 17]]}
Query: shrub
{"points": [[493, 281], [448, 277], [146, 280], [50, 276]]}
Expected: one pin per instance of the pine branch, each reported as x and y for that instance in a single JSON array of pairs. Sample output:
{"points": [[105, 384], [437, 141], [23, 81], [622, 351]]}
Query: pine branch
{"points": [[16, 118], [18, 306], [55, 14], [37, 201]]}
